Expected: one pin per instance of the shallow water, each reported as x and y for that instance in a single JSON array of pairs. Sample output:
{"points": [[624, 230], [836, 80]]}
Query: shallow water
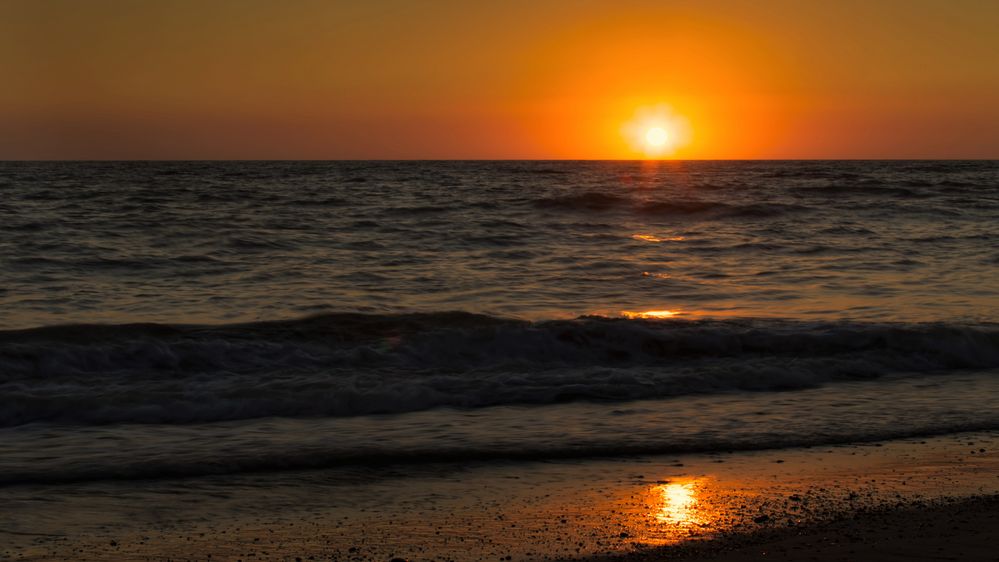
{"points": [[849, 412]]}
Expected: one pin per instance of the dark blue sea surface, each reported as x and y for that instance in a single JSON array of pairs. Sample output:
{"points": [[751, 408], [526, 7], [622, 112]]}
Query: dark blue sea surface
{"points": [[212, 317]]}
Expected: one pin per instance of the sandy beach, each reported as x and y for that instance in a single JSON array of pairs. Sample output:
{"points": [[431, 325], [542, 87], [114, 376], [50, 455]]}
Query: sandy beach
{"points": [[952, 529], [914, 499]]}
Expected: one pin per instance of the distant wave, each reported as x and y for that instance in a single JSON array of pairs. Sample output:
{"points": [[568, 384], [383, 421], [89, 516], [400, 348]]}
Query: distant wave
{"points": [[597, 201], [872, 189], [719, 210], [356, 364], [591, 200]]}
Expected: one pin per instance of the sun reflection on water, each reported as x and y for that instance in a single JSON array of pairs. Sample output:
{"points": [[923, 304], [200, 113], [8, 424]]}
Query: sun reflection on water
{"points": [[650, 314], [653, 238]]}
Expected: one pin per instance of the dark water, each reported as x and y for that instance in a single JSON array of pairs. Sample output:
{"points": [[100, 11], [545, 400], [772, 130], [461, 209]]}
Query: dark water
{"points": [[212, 317]]}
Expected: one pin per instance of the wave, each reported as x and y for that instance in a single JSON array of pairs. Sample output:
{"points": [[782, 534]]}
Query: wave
{"points": [[165, 460], [720, 210], [591, 200], [597, 201], [864, 188], [348, 364], [896, 189]]}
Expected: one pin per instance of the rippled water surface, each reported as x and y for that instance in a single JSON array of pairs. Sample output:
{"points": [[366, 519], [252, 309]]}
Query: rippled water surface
{"points": [[222, 317], [237, 241]]}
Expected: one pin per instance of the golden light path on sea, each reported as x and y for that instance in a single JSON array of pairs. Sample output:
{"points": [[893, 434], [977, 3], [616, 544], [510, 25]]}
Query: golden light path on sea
{"points": [[650, 314]]}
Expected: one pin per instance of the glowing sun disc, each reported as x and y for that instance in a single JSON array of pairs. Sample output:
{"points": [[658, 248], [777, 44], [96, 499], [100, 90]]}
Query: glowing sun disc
{"points": [[656, 137], [656, 131]]}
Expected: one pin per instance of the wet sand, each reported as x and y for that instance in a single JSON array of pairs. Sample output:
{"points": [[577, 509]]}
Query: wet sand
{"points": [[955, 529], [864, 501]]}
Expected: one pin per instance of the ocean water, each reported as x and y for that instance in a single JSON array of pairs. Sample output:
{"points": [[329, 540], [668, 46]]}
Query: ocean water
{"points": [[163, 319]]}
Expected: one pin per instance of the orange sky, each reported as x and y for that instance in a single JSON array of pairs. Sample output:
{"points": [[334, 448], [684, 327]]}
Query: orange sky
{"points": [[302, 79]]}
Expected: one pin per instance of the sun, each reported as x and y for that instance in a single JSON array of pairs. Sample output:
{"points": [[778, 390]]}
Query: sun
{"points": [[656, 137], [656, 131]]}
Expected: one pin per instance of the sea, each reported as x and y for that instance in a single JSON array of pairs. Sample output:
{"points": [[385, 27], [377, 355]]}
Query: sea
{"points": [[166, 320]]}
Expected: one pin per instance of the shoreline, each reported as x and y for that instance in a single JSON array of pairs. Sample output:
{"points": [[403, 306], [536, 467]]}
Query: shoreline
{"points": [[630, 508]]}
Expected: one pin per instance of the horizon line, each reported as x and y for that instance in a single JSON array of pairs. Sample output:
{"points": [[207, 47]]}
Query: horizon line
{"points": [[643, 160]]}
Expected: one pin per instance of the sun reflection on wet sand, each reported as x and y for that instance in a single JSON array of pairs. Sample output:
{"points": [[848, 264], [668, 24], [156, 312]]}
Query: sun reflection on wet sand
{"points": [[678, 504], [676, 510]]}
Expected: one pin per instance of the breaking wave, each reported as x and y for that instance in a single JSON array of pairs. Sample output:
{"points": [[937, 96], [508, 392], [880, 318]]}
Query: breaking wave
{"points": [[340, 365]]}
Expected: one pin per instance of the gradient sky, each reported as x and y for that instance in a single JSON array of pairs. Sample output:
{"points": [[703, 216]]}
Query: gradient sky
{"points": [[301, 79]]}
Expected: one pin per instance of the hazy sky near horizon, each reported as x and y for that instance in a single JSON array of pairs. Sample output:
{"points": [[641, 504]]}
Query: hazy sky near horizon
{"points": [[309, 79]]}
